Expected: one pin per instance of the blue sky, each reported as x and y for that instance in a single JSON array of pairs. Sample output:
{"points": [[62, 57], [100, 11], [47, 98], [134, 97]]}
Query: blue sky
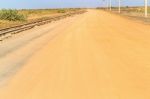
{"points": [[19, 4]]}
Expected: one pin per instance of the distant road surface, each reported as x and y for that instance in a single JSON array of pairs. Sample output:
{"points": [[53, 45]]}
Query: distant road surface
{"points": [[96, 55]]}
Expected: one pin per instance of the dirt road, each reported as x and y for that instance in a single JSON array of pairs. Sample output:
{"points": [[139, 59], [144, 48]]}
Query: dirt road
{"points": [[96, 55]]}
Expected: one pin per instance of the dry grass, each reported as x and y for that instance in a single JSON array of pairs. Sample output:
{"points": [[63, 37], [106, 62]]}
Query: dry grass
{"points": [[132, 11], [35, 14], [5, 23]]}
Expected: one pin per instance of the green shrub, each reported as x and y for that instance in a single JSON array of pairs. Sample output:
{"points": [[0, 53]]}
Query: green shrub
{"points": [[11, 15]]}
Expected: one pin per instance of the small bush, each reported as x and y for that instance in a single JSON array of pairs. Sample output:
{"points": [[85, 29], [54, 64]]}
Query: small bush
{"points": [[11, 15], [61, 11]]}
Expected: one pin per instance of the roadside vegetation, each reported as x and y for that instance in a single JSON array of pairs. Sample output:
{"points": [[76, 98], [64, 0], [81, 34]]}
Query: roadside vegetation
{"points": [[132, 11], [11, 17], [136, 13]]}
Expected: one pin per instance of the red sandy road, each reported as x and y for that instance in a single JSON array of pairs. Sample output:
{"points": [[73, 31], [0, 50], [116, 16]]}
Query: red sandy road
{"points": [[99, 56]]}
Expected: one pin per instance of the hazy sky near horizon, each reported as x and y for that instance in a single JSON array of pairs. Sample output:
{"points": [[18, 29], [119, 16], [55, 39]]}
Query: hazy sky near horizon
{"points": [[22, 4]]}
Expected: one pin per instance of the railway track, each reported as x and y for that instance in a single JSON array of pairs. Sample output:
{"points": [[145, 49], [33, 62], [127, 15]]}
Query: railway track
{"points": [[9, 32]]}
